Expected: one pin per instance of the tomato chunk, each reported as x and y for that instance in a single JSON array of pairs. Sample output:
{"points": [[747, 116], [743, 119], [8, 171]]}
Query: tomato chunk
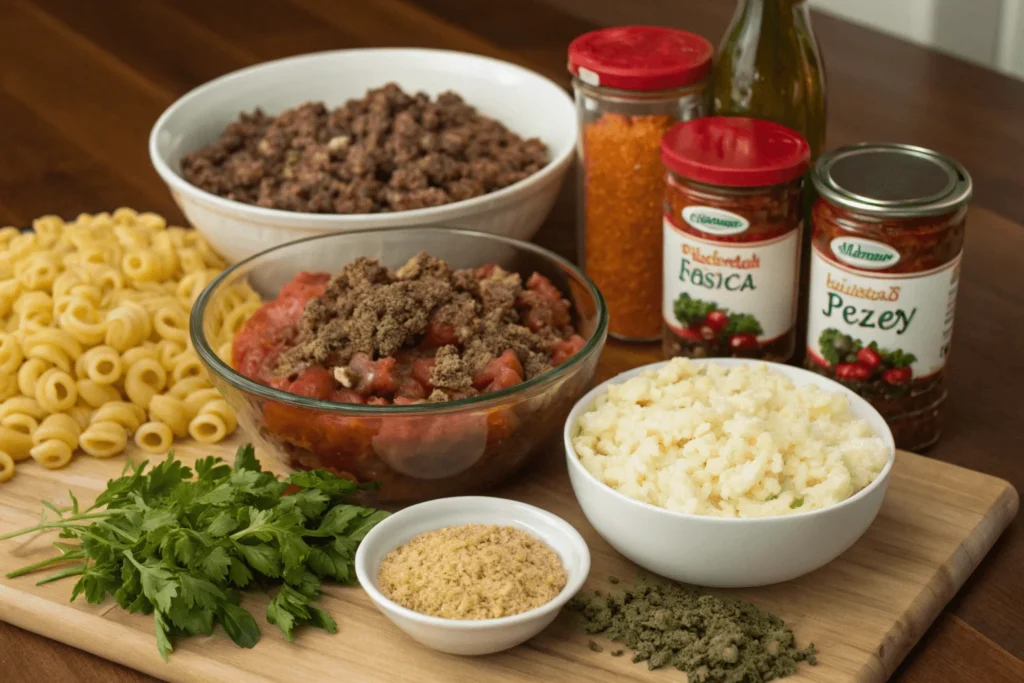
{"points": [[346, 396], [421, 368], [373, 377], [411, 388], [541, 304], [540, 284], [314, 382], [262, 338], [504, 371], [565, 349], [439, 334]]}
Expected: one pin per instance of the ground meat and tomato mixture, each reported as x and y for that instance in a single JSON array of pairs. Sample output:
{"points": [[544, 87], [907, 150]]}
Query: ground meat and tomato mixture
{"points": [[388, 151], [424, 333]]}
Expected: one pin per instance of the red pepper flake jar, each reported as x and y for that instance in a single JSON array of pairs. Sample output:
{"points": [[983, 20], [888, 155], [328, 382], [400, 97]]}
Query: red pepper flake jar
{"points": [[731, 238], [632, 83], [887, 237]]}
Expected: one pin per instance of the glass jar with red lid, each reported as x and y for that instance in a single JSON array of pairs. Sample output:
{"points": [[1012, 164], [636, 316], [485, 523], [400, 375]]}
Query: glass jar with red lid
{"points": [[731, 238], [632, 83], [887, 238]]}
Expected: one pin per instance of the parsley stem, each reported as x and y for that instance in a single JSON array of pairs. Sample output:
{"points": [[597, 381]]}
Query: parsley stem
{"points": [[77, 570], [77, 555], [62, 524]]}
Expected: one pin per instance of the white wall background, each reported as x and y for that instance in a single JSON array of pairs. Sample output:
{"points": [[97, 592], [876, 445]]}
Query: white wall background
{"points": [[986, 32]]}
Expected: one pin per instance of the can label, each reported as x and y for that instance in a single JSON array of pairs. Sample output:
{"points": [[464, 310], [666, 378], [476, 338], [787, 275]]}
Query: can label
{"points": [[739, 293], [868, 326]]}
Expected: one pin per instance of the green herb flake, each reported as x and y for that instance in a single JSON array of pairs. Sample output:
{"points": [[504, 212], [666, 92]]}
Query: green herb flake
{"points": [[713, 639]]}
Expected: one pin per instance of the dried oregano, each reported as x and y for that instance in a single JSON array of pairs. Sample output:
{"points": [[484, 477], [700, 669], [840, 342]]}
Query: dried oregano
{"points": [[713, 639]]}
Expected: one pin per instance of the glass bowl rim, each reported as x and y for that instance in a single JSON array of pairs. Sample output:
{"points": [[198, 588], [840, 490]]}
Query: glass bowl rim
{"points": [[482, 401]]}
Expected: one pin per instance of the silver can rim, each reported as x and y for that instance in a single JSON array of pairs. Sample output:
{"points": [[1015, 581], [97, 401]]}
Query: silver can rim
{"points": [[954, 196]]}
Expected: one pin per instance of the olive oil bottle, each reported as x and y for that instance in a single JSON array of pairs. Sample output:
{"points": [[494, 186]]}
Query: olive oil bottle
{"points": [[768, 66]]}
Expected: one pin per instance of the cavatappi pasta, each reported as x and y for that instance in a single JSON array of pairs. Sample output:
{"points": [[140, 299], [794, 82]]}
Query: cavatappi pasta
{"points": [[94, 339]]}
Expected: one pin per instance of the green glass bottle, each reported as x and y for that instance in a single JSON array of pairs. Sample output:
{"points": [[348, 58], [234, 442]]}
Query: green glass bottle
{"points": [[769, 67]]}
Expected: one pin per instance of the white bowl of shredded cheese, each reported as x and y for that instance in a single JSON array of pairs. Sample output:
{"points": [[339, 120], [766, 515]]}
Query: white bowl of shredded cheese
{"points": [[728, 472]]}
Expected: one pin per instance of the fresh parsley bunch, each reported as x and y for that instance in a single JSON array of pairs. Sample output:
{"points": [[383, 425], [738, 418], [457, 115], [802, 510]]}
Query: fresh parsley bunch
{"points": [[182, 548]]}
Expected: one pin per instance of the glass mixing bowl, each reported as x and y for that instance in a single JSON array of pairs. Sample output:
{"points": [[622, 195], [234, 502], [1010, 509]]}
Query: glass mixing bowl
{"points": [[413, 452]]}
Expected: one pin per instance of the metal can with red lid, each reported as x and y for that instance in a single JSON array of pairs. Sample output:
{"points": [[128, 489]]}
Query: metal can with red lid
{"points": [[632, 83], [887, 238], [732, 224]]}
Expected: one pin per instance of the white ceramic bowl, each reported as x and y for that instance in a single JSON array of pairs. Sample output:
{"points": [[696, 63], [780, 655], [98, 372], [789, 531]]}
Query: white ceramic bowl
{"points": [[476, 637], [527, 103], [724, 552]]}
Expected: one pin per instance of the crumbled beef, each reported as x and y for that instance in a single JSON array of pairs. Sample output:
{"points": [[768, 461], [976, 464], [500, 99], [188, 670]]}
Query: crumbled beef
{"points": [[388, 151], [455, 322]]}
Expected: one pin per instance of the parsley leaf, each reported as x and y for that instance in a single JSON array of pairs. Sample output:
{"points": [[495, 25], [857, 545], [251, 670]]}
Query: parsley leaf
{"points": [[245, 459], [239, 624], [179, 543]]}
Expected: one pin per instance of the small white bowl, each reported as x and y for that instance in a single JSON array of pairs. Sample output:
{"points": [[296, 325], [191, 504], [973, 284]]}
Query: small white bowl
{"points": [[726, 552], [527, 103], [472, 637]]}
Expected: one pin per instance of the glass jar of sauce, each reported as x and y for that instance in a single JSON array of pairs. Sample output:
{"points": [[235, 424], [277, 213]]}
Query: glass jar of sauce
{"points": [[632, 83], [731, 231], [887, 238]]}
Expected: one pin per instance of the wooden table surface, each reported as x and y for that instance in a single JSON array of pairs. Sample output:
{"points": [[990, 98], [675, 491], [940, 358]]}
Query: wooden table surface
{"points": [[82, 81]]}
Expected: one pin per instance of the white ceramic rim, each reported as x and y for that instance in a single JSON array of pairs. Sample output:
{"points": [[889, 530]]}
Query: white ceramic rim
{"points": [[501, 505], [265, 216], [573, 460]]}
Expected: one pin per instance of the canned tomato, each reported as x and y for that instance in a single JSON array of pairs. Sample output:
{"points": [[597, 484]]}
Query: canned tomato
{"points": [[731, 238], [887, 239]]}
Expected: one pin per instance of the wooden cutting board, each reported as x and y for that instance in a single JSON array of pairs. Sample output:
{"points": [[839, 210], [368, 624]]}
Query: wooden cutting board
{"points": [[864, 611]]}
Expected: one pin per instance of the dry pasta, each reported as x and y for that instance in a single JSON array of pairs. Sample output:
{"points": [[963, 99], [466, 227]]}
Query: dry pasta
{"points": [[6, 466], [20, 422], [126, 414], [103, 439], [171, 411], [82, 414], [101, 364], [58, 427], [94, 394], [16, 444], [214, 422], [154, 437], [56, 391], [94, 337]]}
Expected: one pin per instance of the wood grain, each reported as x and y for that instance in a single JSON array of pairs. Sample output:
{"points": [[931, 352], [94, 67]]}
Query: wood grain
{"points": [[81, 82], [936, 524]]}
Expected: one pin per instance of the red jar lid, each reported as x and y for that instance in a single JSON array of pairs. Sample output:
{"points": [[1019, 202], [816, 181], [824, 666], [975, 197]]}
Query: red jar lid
{"points": [[640, 58], [735, 151]]}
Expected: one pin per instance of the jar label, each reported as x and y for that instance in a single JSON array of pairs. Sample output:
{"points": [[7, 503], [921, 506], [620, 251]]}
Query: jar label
{"points": [[715, 221], [865, 254], [730, 292], [888, 327]]}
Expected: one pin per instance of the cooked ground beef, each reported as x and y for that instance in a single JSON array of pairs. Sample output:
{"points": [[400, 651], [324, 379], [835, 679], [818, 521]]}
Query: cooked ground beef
{"points": [[388, 151]]}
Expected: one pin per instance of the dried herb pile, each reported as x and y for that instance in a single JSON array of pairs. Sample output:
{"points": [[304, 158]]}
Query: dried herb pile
{"points": [[713, 639]]}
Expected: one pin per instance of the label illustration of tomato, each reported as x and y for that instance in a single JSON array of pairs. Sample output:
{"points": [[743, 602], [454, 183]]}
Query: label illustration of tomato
{"points": [[705, 321]]}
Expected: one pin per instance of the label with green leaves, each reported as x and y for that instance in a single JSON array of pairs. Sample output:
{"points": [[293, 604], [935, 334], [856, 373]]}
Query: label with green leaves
{"points": [[745, 290], [867, 325]]}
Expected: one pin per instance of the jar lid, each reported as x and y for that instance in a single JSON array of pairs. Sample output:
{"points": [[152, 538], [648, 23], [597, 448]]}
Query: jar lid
{"points": [[640, 57], [892, 180], [735, 151]]}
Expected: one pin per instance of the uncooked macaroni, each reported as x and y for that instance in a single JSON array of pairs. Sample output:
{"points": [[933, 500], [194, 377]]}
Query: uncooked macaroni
{"points": [[94, 338]]}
